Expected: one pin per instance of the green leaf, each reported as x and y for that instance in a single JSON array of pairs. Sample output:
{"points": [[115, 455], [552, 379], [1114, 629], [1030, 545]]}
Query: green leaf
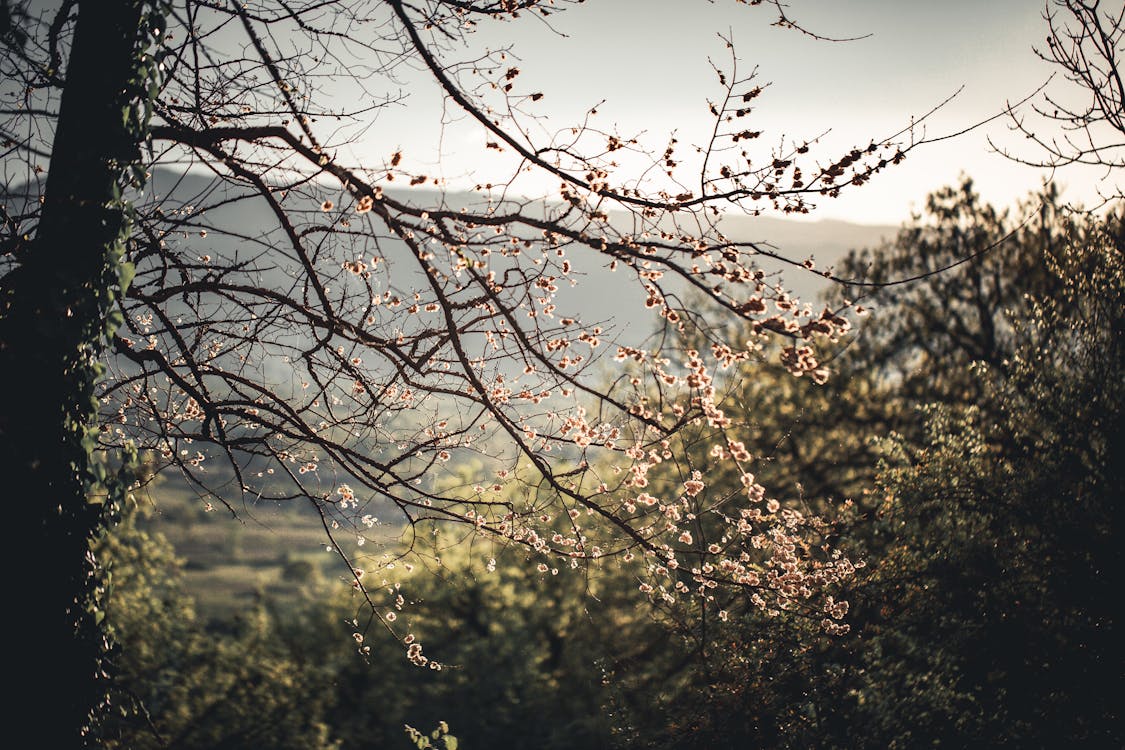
{"points": [[114, 319], [126, 271]]}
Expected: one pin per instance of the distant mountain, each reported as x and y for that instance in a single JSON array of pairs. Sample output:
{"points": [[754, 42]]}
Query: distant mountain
{"points": [[602, 296]]}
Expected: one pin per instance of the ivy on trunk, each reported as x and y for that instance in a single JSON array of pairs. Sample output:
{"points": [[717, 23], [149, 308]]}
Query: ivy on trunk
{"points": [[57, 307]]}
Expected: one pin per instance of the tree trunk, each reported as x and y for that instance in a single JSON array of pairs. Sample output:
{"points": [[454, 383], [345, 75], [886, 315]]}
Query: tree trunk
{"points": [[53, 311]]}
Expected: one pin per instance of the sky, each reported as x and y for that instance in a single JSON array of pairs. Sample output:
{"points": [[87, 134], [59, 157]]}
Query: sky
{"points": [[648, 59]]}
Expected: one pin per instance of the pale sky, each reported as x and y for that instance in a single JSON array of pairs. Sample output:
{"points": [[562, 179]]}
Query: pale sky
{"points": [[649, 60]]}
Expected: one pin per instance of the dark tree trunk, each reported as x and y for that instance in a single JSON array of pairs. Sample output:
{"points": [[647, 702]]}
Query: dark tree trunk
{"points": [[53, 308]]}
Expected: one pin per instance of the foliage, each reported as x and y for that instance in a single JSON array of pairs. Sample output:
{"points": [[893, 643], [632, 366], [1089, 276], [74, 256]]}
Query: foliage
{"points": [[514, 656], [175, 684], [951, 288], [988, 616], [997, 590], [423, 742], [989, 525]]}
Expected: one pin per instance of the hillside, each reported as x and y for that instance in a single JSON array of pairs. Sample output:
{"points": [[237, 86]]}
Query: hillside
{"points": [[230, 560]]}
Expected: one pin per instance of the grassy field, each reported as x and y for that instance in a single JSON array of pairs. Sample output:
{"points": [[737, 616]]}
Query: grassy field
{"points": [[230, 561]]}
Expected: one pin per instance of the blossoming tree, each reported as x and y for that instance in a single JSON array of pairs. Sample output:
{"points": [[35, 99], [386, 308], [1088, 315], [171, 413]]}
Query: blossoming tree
{"points": [[300, 327]]}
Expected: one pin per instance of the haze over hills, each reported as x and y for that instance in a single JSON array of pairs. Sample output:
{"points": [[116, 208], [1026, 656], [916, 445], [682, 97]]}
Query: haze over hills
{"points": [[601, 296], [241, 225]]}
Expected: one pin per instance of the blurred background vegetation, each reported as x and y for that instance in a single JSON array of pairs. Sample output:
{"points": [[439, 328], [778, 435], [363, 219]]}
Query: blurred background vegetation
{"points": [[968, 445]]}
